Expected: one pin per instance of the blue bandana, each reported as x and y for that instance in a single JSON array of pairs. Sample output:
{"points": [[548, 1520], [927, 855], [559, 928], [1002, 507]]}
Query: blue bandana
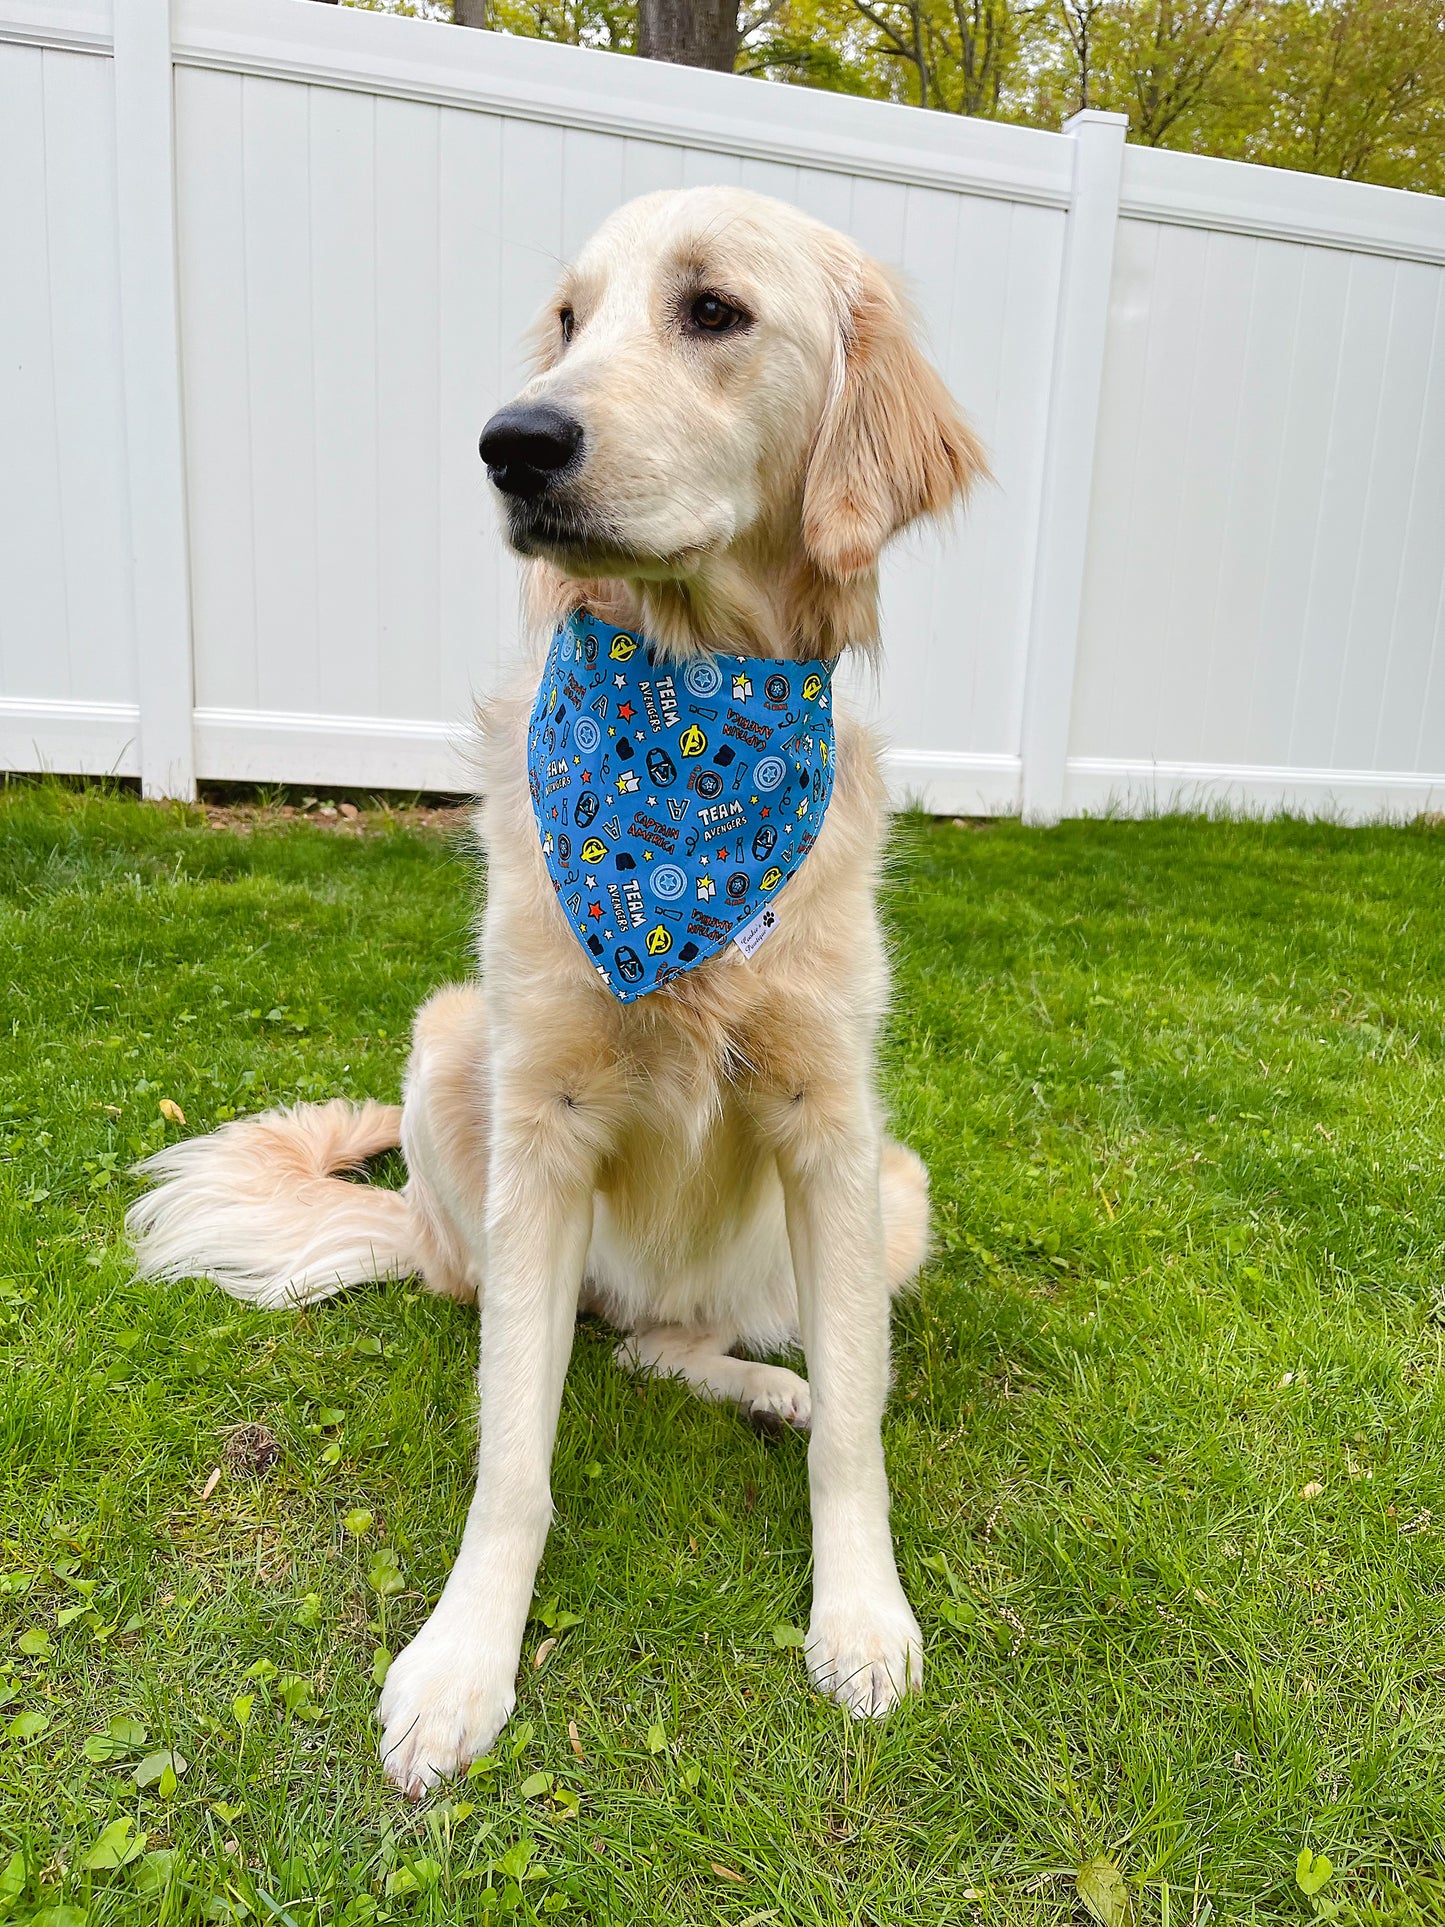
{"points": [[673, 802]]}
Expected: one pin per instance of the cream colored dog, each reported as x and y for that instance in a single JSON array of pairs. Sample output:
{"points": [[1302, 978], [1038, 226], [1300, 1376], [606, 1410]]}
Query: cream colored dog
{"points": [[729, 419]]}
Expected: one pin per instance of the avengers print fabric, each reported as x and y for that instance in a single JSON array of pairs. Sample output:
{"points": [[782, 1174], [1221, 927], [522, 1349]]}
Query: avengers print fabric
{"points": [[673, 801]]}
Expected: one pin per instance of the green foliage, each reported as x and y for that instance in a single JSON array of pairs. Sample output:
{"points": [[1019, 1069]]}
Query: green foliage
{"points": [[608, 24], [1165, 1433], [1353, 88]]}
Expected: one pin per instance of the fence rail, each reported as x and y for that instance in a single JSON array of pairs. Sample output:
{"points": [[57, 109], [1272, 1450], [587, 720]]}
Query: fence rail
{"points": [[267, 268]]}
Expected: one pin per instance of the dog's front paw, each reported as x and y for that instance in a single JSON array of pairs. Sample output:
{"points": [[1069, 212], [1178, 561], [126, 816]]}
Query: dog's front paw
{"points": [[865, 1652], [447, 1697], [777, 1400]]}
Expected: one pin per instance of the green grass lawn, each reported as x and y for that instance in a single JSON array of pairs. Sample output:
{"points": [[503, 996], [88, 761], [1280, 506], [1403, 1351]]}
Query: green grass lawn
{"points": [[1165, 1440]]}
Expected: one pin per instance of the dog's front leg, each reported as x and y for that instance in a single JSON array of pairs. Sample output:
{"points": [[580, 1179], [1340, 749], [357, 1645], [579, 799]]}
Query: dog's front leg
{"points": [[450, 1692], [863, 1644]]}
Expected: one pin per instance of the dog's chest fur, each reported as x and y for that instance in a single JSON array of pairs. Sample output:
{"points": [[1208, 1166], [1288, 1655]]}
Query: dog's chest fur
{"points": [[684, 1089]]}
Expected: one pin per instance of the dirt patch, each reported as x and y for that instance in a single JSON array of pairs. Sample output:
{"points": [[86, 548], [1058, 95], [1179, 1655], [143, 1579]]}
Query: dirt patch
{"points": [[252, 1448], [345, 815]]}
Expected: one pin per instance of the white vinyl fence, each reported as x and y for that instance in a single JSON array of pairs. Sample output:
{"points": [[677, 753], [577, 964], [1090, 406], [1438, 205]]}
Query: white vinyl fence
{"points": [[264, 268]]}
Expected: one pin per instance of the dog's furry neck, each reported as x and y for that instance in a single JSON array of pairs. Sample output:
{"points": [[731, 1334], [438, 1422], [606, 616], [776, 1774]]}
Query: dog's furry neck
{"points": [[731, 607]]}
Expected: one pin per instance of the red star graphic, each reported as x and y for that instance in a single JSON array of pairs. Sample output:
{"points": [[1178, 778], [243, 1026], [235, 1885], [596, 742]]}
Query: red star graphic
{"points": [[626, 712], [595, 910], [586, 776], [763, 812]]}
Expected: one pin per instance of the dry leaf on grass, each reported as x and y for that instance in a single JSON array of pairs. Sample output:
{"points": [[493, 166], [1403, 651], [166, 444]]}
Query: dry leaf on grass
{"points": [[209, 1487], [574, 1741], [725, 1873], [543, 1654], [172, 1110]]}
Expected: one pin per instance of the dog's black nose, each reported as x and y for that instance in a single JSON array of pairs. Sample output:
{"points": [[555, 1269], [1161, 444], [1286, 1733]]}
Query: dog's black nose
{"points": [[526, 448]]}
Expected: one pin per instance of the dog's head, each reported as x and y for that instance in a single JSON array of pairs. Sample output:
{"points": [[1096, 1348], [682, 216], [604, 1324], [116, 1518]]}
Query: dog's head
{"points": [[731, 415]]}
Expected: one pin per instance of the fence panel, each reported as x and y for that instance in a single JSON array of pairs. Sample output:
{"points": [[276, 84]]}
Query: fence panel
{"points": [[67, 653], [1266, 579]]}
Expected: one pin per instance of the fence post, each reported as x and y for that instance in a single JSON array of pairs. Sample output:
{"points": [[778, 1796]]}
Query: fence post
{"points": [[151, 345], [1073, 420]]}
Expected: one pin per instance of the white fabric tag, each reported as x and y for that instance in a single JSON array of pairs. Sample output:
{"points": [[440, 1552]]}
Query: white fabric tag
{"points": [[756, 931]]}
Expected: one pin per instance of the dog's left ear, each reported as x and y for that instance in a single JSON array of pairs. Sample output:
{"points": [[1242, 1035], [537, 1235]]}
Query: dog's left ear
{"points": [[892, 446]]}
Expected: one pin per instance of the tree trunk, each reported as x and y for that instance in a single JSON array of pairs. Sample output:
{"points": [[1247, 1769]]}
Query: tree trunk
{"points": [[469, 13], [689, 33]]}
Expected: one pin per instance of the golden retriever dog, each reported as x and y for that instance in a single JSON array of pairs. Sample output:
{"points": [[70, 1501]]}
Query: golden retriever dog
{"points": [[729, 418]]}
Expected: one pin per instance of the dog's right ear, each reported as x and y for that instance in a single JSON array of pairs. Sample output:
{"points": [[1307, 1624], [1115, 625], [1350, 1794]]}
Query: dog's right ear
{"points": [[892, 446]]}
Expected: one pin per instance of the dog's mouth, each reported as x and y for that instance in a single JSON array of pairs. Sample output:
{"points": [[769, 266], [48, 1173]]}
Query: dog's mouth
{"points": [[583, 544]]}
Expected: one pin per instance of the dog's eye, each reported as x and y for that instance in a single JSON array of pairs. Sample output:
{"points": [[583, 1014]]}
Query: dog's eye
{"points": [[568, 321], [714, 316]]}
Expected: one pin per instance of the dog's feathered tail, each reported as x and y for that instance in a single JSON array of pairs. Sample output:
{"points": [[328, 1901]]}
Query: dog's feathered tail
{"points": [[258, 1207]]}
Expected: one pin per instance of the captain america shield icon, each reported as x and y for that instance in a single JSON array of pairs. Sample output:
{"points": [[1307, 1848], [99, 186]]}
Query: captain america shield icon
{"points": [[668, 882], [769, 771], [586, 735], [702, 679]]}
